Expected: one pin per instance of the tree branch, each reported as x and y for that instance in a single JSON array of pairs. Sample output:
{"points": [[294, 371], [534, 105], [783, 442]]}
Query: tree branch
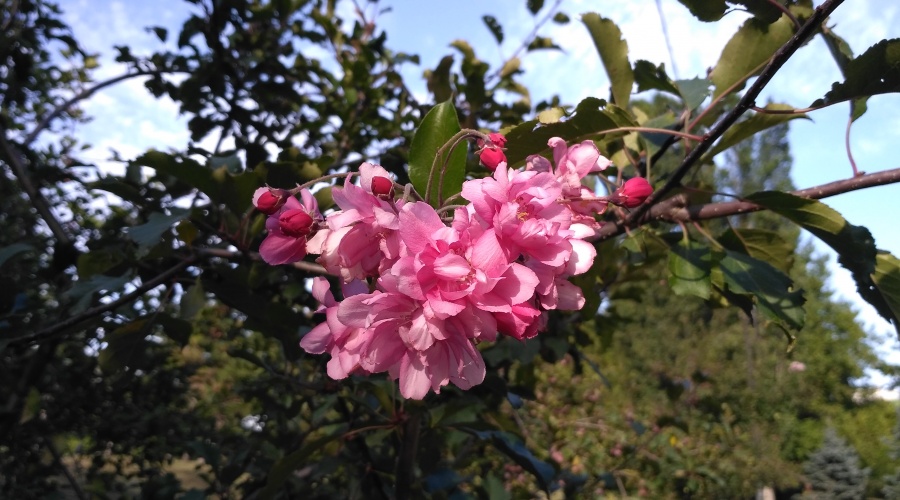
{"points": [[17, 163], [675, 209], [746, 102], [53, 330]]}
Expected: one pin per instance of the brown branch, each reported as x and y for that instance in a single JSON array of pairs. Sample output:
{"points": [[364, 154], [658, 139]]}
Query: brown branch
{"points": [[746, 102], [230, 255], [53, 330], [675, 209], [17, 162]]}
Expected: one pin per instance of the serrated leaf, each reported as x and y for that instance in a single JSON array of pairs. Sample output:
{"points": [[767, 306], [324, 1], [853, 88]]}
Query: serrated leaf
{"points": [[494, 27], [887, 278], [591, 117], [439, 126], [753, 44], [761, 244], [746, 129], [690, 264], [649, 76], [693, 91], [613, 51], [875, 71], [854, 245], [147, 235], [771, 289]]}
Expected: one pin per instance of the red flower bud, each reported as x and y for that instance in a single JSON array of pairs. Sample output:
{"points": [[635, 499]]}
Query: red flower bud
{"points": [[268, 200], [632, 193], [382, 186], [492, 157], [295, 222], [498, 139]]}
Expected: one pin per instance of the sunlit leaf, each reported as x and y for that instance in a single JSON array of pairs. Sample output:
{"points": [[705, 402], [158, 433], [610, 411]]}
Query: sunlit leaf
{"points": [[887, 278], [613, 51], [438, 127], [689, 269], [761, 244], [746, 129], [752, 45]]}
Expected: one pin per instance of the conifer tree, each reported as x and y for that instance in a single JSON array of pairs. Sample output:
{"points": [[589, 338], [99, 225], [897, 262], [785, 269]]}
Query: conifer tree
{"points": [[834, 472]]}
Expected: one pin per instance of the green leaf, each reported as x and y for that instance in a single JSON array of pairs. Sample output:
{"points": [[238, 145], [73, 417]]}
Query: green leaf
{"points": [[98, 262], [147, 235], [11, 251], [649, 76], [286, 466], [875, 71], [83, 290], [854, 244], [561, 18], [706, 10], [439, 126], [176, 329], [193, 301], [494, 27], [753, 44], [592, 116], [614, 54], [125, 347], [534, 6], [690, 265], [772, 290], [693, 91], [746, 129], [438, 80], [887, 278], [232, 163], [160, 33], [542, 42], [761, 244]]}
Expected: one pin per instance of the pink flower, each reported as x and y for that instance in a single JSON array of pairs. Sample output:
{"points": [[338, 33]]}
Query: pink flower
{"points": [[341, 341], [288, 229], [632, 193], [572, 163]]}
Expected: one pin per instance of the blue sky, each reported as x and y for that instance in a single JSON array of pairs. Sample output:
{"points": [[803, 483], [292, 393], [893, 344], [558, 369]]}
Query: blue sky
{"points": [[128, 120]]}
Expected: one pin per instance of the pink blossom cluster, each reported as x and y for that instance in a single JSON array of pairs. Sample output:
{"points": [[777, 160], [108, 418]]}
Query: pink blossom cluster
{"points": [[422, 287]]}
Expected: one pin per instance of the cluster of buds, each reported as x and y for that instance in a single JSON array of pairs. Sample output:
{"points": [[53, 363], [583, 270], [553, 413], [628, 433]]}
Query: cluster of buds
{"points": [[421, 286]]}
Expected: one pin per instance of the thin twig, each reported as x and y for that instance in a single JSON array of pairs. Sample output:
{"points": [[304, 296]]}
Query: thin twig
{"points": [[847, 144], [53, 330], [786, 12]]}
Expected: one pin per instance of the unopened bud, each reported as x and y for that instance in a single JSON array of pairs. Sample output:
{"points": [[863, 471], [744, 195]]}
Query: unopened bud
{"points": [[492, 157], [382, 186], [268, 200], [295, 222], [632, 193], [497, 139]]}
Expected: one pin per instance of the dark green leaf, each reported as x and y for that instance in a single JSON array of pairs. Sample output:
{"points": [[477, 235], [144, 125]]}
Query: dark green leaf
{"points": [[854, 244], [193, 300], [614, 53], [11, 251], [84, 290], [542, 42], [651, 77], [772, 290], [494, 27], [592, 116], [690, 264], [125, 347], [887, 278], [438, 80], [752, 45], [147, 235], [761, 244], [706, 10], [875, 71], [534, 6], [438, 127], [160, 33], [98, 261], [561, 18], [749, 127], [176, 329]]}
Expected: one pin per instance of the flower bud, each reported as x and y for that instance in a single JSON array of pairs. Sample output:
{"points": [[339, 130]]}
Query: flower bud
{"points": [[632, 193], [497, 139], [269, 200], [492, 157], [382, 186], [295, 222]]}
